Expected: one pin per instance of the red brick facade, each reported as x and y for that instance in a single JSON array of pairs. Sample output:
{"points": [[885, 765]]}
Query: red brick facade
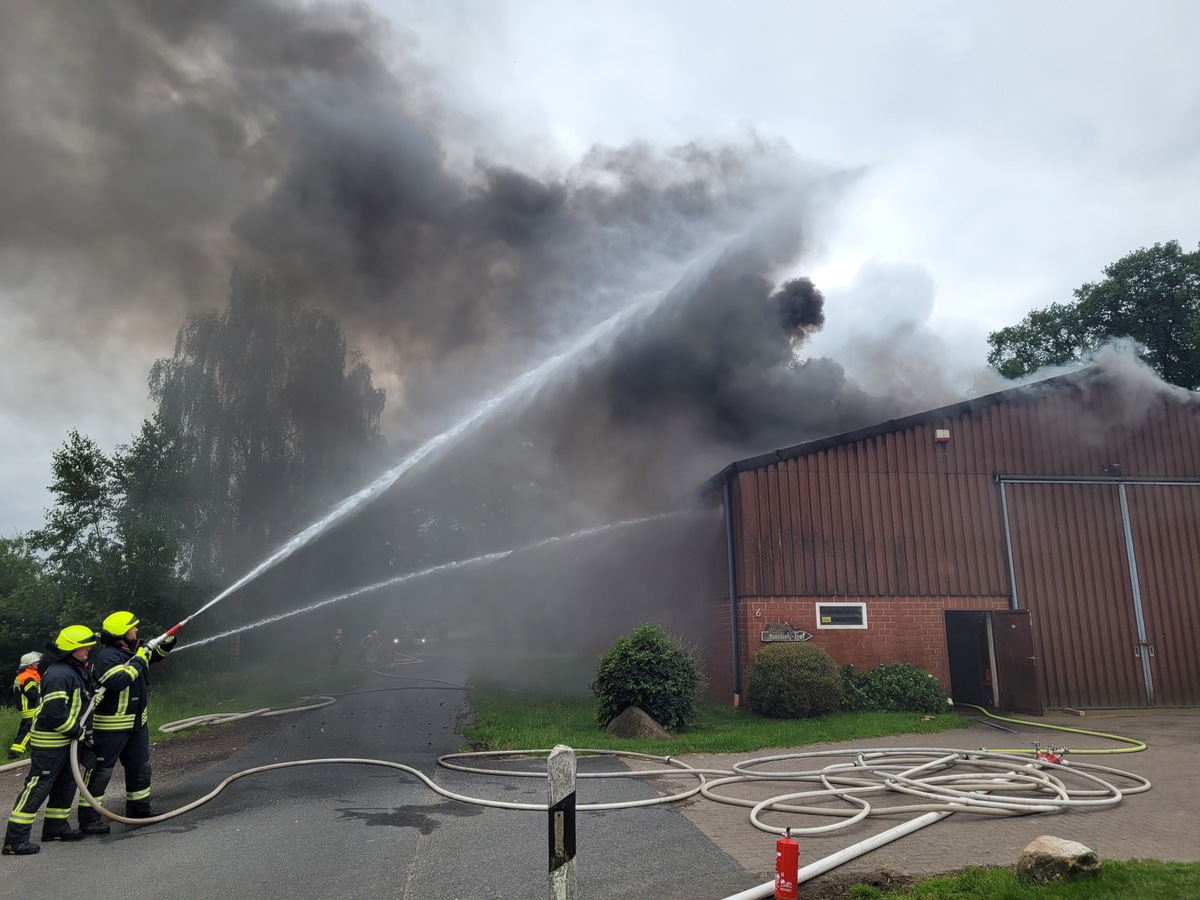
{"points": [[899, 629]]}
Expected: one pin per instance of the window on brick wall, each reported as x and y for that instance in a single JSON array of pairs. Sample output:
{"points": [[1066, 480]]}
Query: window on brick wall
{"points": [[841, 615]]}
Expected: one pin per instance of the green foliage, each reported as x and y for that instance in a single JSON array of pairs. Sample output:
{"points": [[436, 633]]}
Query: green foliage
{"points": [[29, 603], [650, 669], [112, 539], [1118, 879], [855, 694], [793, 681], [893, 687], [1151, 295]]}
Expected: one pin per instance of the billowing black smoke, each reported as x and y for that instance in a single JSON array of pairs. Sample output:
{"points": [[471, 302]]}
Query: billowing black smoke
{"points": [[151, 145]]}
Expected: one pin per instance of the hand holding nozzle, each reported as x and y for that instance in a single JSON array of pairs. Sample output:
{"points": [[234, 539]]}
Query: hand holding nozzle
{"points": [[166, 640]]}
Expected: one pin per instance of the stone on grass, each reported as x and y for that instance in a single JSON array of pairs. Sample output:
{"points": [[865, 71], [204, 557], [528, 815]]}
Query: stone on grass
{"points": [[1047, 859], [635, 722]]}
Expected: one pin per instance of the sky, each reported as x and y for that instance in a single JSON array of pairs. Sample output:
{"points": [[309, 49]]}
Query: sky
{"points": [[948, 168]]}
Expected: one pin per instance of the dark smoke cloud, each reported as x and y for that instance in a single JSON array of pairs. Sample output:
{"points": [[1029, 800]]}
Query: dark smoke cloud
{"points": [[151, 145]]}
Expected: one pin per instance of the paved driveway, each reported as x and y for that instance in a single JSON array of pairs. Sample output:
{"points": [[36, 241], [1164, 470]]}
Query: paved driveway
{"points": [[1163, 823]]}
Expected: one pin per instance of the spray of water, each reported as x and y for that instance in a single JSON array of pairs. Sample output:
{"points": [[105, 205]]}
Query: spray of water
{"points": [[444, 567], [520, 386]]}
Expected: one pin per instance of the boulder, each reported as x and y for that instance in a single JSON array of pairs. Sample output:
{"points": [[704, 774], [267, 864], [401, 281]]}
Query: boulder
{"points": [[1048, 859], [635, 722]]}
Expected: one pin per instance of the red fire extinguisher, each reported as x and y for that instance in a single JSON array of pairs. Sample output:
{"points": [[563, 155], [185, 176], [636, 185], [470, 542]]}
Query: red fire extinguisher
{"points": [[787, 867]]}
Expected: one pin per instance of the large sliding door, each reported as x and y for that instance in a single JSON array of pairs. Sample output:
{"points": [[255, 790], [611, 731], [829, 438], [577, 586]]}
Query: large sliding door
{"points": [[1071, 573]]}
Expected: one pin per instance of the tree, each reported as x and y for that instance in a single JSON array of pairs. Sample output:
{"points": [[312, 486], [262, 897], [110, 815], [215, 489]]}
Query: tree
{"points": [[111, 540], [1151, 295], [277, 417], [29, 601]]}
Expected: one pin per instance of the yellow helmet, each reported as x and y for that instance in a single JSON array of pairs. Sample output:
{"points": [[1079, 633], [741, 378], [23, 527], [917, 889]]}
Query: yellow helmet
{"points": [[75, 636], [119, 623]]}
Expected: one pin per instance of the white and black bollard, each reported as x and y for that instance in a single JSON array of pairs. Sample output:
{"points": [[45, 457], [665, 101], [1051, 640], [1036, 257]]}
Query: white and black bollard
{"points": [[561, 769]]}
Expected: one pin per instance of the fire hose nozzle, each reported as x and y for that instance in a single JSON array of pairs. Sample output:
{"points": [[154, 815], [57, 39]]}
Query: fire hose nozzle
{"points": [[155, 642]]}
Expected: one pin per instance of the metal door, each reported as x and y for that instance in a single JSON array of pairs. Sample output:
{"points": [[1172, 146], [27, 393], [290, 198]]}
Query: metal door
{"points": [[1071, 569], [1164, 527], [1016, 661]]}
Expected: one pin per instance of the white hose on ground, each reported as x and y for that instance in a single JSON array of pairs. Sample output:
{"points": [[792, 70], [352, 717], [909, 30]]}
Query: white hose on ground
{"points": [[986, 783]]}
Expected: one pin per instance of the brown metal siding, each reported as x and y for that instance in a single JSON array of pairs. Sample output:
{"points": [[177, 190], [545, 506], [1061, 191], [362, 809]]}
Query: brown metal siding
{"points": [[867, 534], [1165, 523], [896, 514], [1069, 557]]}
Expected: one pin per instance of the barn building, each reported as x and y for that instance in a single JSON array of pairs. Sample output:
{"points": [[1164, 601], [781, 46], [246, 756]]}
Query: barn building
{"points": [[1033, 548]]}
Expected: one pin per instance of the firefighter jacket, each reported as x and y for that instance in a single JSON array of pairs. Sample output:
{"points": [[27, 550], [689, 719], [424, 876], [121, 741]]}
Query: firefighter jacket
{"points": [[28, 688], [66, 692], [125, 677]]}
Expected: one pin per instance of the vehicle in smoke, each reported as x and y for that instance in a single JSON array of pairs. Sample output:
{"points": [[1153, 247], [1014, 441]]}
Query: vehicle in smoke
{"points": [[407, 638]]}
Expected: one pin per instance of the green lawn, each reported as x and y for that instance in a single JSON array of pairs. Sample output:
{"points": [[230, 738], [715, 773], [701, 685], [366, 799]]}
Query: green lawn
{"points": [[504, 720], [197, 694], [1118, 880]]}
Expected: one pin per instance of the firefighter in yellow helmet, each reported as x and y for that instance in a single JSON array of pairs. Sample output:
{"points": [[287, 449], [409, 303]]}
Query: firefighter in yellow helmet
{"points": [[28, 688], [122, 668], [66, 692]]}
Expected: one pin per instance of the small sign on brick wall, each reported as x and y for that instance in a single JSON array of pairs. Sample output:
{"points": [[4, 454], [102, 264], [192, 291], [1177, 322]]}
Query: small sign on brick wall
{"points": [[782, 631]]}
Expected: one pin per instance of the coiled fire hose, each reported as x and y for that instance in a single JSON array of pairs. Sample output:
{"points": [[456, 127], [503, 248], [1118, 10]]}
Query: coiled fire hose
{"points": [[940, 781]]}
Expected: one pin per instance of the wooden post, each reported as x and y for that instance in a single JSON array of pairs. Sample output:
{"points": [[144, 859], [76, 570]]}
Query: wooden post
{"points": [[561, 771]]}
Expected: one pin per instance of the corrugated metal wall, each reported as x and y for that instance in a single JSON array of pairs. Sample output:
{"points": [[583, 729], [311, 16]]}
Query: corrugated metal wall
{"points": [[1070, 561], [1165, 521], [896, 513]]}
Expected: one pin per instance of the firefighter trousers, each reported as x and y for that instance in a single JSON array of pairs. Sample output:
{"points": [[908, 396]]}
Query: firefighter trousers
{"points": [[132, 750], [49, 777]]}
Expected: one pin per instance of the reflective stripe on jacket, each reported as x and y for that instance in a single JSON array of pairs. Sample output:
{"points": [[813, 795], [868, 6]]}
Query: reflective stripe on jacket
{"points": [[28, 686], [125, 678], [66, 691]]}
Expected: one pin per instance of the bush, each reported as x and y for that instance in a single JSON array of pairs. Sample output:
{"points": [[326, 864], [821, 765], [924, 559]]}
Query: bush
{"points": [[856, 695], [653, 670], [893, 687], [793, 681]]}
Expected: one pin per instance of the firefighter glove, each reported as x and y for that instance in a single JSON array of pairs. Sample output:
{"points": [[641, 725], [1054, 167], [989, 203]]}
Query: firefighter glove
{"points": [[143, 653], [167, 642]]}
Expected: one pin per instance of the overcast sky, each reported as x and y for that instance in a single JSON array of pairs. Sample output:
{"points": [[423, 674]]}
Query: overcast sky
{"points": [[992, 158]]}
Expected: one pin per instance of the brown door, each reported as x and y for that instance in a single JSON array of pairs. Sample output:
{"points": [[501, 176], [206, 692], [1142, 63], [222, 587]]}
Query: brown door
{"points": [[1016, 662]]}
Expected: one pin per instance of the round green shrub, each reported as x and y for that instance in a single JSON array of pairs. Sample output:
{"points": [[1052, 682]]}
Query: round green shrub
{"points": [[903, 687], [653, 670], [793, 681]]}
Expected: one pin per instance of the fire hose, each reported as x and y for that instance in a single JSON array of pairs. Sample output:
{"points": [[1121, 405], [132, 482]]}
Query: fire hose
{"points": [[940, 781]]}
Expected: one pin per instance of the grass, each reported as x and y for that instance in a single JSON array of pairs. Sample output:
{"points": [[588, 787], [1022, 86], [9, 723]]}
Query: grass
{"points": [[251, 687], [1143, 879], [503, 720], [197, 694]]}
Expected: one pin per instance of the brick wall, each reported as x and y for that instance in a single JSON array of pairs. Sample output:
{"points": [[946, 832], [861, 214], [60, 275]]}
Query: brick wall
{"points": [[899, 629]]}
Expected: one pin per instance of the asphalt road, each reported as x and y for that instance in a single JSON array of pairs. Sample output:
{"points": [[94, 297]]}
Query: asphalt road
{"points": [[353, 831]]}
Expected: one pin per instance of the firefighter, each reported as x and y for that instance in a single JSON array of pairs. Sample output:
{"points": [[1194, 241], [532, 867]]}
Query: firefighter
{"points": [[122, 668], [337, 647], [368, 645], [66, 692], [28, 688]]}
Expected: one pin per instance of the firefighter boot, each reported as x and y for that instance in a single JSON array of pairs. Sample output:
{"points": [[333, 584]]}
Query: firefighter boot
{"points": [[20, 848], [90, 821], [61, 832], [138, 809]]}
